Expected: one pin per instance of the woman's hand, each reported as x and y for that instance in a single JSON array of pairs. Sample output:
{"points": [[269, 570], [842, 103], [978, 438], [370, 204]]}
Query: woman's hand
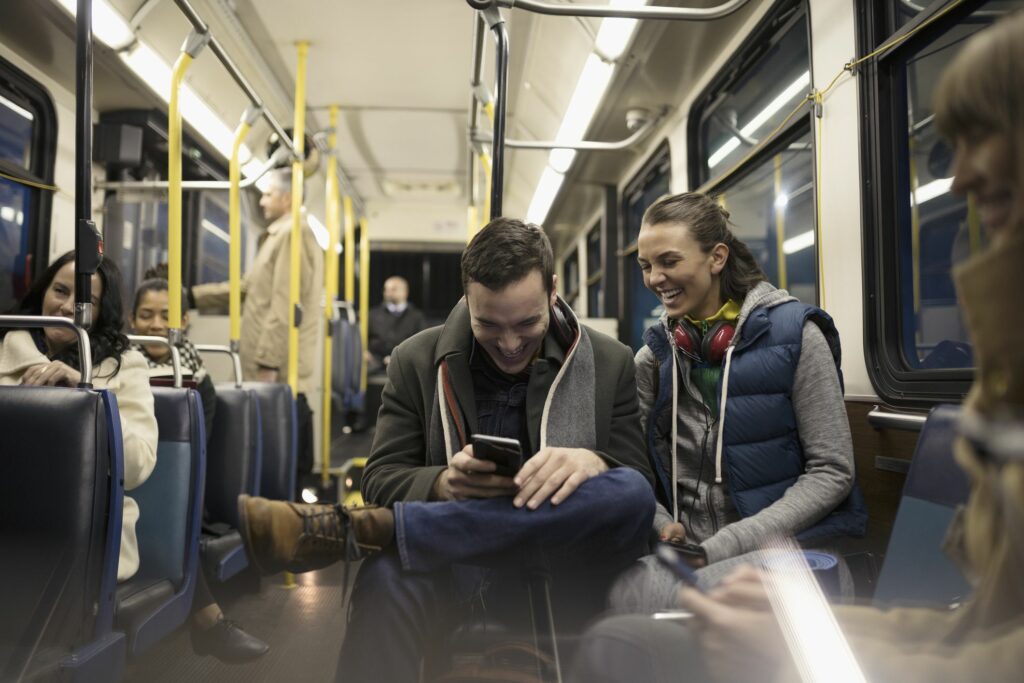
{"points": [[52, 374], [673, 532], [735, 624]]}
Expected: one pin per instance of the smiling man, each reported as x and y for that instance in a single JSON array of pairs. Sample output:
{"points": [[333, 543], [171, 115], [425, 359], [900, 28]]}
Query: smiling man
{"points": [[511, 361]]}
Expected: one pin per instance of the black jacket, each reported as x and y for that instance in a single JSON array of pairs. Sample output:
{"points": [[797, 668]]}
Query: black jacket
{"points": [[388, 330]]}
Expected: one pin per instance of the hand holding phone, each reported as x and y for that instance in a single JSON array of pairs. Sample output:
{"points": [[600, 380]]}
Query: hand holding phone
{"points": [[668, 556], [507, 454]]}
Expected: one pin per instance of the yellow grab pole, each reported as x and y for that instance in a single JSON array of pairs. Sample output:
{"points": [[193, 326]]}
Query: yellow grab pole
{"points": [[298, 149], [485, 161], [780, 223], [333, 212], [364, 294], [350, 252], [235, 227], [193, 45]]}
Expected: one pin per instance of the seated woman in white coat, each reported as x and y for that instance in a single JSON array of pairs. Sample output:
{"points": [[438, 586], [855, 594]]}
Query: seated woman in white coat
{"points": [[50, 357]]}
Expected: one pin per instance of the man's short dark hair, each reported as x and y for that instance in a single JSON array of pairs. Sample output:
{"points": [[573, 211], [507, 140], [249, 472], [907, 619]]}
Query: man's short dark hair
{"points": [[505, 251]]}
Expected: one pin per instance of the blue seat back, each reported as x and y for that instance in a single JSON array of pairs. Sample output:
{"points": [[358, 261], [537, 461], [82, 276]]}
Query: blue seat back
{"points": [[61, 498], [280, 439], [235, 453], [347, 365], [171, 500], [915, 570]]}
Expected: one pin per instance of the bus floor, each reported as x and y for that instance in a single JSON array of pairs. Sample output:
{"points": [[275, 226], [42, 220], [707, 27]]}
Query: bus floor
{"points": [[303, 625]]}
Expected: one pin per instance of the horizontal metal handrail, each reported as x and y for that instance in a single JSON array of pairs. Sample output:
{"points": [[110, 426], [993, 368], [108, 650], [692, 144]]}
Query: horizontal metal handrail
{"points": [[40, 321], [643, 12], [880, 418], [280, 156], [175, 354], [236, 360], [583, 145]]}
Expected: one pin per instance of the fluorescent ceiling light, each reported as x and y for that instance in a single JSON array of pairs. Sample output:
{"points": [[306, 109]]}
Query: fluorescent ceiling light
{"points": [[785, 97], [586, 97], [544, 196], [20, 111], [323, 237], [107, 24], [931, 190], [781, 201], [614, 34], [216, 231], [798, 243]]}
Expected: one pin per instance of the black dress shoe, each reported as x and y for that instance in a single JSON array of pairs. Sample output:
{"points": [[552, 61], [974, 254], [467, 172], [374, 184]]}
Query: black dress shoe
{"points": [[227, 642]]}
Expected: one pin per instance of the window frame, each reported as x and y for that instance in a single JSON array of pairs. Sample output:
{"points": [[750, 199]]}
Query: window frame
{"points": [[44, 157], [775, 24], [882, 97]]}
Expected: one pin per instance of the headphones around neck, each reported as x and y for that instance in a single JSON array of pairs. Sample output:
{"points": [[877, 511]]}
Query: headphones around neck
{"points": [[707, 348], [565, 332]]}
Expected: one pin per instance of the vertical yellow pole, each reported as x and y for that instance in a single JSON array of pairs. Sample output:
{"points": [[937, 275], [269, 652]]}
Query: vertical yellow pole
{"points": [[333, 213], [364, 293], [298, 146], [350, 252], [780, 224], [174, 199], [485, 161], [235, 230]]}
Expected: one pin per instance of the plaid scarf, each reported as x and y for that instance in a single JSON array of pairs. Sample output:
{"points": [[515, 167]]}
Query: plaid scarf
{"points": [[191, 363]]}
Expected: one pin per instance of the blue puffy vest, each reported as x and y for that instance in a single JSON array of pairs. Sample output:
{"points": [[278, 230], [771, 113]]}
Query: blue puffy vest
{"points": [[762, 455]]}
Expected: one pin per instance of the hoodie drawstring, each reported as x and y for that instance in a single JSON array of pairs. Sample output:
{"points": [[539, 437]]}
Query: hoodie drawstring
{"points": [[721, 414]]}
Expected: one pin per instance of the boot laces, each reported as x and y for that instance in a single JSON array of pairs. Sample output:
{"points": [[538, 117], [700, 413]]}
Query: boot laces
{"points": [[327, 526]]}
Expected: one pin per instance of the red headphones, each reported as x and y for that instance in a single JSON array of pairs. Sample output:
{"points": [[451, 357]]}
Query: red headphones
{"points": [[709, 347]]}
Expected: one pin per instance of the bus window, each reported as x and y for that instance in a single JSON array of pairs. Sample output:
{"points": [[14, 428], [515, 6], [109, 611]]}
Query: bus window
{"points": [[571, 275], [213, 243], [642, 307], [769, 193], [752, 95], [595, 273], [916, 230], [28, 136]]}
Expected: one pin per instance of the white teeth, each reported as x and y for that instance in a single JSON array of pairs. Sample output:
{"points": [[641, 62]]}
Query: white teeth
{"points": [[669, 294]]}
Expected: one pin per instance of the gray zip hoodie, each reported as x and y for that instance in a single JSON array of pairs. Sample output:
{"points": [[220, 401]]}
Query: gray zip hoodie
{"points": [[703, 503]]}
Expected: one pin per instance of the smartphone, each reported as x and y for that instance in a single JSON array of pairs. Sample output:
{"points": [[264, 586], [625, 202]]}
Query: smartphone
{"points": [[690, 550], [507, 454], [668, 556]]}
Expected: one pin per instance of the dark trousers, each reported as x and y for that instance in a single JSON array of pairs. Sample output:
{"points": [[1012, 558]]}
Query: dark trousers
{"points": [[407, 601]]}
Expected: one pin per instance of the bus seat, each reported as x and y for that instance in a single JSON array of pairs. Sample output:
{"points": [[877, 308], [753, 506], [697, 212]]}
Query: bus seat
{"points": [[280, 439], [915, 570], [158, 599], [61, 494], [234, 461], [347, 365]]}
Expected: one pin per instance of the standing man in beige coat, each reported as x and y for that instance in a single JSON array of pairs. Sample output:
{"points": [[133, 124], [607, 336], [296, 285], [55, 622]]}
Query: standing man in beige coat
{"points": [[265, 311]]}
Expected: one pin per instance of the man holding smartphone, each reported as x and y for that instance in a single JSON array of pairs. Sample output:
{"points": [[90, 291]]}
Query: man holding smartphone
{"points": [[510, 362]]}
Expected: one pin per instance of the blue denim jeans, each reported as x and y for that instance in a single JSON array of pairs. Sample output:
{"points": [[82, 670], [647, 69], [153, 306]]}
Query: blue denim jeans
{"points": [[407, 601]]}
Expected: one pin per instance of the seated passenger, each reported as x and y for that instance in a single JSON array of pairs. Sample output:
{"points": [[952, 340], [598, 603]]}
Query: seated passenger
{"points": [[211, 633], [511, 361], [734, 635], [742, 403], [49, 357]]}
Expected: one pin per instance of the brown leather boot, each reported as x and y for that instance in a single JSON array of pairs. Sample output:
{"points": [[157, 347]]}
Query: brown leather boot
{"points": [[280, 535]]}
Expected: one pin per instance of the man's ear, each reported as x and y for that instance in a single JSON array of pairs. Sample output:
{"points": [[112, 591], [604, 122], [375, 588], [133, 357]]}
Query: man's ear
{"points": [[554, 288], [719, 257]]}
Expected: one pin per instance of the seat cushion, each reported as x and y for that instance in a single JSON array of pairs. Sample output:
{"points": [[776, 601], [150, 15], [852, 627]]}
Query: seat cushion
{"points": [[223, 556]]}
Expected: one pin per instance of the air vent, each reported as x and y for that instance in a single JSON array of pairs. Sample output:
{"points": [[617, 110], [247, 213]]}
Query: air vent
{"points": [[423, 189]]}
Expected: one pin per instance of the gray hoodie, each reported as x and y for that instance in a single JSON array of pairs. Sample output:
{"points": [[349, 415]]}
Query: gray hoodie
{"points": [[703, 503]]}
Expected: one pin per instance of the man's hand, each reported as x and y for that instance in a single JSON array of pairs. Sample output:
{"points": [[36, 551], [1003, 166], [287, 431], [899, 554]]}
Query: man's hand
{"points": [[469, 477], [52, 374], [267, 374], [737, 628], [555, 473], [673, 532]]}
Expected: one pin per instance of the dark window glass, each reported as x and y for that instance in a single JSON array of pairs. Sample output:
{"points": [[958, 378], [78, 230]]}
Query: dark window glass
{"points": [[938, 229], [754, 94], [771, 208], [595, 300], [135, 235], [571, 273], [28, 136], [595, 273], [594, 263], [642, 307], [214, 238]]}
